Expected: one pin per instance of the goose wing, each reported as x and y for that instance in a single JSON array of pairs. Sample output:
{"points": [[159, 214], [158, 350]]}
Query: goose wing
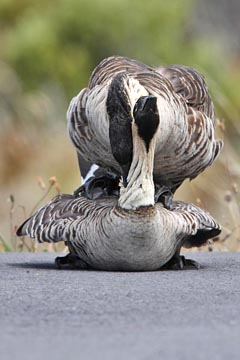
{"points": [[194, 152], [46, 224], [88, 127], [49, 223], [191, 85], [207, 228], [201, 145]]}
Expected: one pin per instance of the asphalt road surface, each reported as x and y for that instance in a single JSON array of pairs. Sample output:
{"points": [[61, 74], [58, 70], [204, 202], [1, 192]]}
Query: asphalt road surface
{"points": [[54, 314]]}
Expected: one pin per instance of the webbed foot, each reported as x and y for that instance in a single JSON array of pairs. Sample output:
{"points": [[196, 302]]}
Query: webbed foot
{"points": [[180, 263], [70, 261], [163, 195], [97, 187]]}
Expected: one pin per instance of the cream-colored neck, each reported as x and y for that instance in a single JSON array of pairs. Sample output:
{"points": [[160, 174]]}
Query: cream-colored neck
{"points": [[140, 188]]}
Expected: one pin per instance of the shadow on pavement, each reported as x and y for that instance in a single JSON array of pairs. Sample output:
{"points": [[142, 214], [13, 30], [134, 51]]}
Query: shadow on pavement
{"points": [[34, 265]]}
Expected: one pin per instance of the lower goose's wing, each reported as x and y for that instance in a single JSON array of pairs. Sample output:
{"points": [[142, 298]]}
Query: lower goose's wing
{"points": [[56, 221]]}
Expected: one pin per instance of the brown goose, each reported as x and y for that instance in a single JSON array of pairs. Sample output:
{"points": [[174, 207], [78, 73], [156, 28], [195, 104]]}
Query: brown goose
{"points": [[185, 143], [129, 233]]}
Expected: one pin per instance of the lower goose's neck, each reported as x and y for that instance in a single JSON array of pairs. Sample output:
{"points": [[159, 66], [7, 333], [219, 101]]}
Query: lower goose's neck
{"points": [[140, 187]]}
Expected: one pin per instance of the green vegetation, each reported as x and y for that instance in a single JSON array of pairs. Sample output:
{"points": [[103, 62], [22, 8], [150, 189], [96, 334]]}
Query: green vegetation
{"points": [[58, 43], [62, 41]]}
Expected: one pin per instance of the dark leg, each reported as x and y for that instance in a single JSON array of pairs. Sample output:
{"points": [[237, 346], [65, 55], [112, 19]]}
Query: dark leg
{"points": [[71, 261], [179, 262], [97, 187], [102, 182]]}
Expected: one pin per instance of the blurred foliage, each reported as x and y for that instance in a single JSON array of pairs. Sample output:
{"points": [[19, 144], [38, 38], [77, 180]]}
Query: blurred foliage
{"points": [[58, 43], [62, 41], [48, 50]]}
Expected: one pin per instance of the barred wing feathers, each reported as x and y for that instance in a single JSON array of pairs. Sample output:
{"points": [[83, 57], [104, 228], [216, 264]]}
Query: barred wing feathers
{"points": [[76, 221], [191, 85]]}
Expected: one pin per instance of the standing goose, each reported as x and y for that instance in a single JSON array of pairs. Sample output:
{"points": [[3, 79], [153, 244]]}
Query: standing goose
{"points": [[185, 143], [129, 233]]}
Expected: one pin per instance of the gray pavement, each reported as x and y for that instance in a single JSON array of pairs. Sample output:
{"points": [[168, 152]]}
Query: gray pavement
{"points": [[54, 314]]}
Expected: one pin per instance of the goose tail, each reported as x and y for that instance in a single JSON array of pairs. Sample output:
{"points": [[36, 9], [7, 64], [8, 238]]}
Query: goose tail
{"points": [[47, 224], [208, 227], [22, 229], [219, 147]]}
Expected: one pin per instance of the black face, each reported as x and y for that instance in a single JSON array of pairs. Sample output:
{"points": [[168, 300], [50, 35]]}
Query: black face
{"points": [[146, 117]]}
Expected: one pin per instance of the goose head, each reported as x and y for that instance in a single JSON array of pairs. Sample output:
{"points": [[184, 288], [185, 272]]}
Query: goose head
{"points": [[146, 118]]}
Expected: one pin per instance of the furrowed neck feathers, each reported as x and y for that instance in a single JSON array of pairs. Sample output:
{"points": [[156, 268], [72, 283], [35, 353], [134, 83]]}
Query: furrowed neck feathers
{"points": [[140, 187]]}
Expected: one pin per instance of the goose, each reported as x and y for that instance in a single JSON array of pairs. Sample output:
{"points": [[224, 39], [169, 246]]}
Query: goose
{"points": [[185, 143], [129, 232]]}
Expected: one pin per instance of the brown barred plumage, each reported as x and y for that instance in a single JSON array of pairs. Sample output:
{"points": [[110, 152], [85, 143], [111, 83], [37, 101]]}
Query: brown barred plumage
{"points": [[191, 85]]}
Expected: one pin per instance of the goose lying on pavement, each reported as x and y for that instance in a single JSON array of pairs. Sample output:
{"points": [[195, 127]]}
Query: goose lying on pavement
{"points": [[185, 143], [129, 233]]}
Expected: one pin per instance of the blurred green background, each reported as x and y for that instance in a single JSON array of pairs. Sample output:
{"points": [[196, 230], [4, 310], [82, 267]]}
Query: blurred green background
{"points": [[48, 50]]}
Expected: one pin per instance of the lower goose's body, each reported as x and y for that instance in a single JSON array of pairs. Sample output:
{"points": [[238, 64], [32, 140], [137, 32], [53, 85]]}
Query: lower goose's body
{"points": [[100, 235]]}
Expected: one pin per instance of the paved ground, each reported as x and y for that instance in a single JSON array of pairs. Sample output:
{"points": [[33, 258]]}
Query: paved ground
{"points": [[53, 314]]}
